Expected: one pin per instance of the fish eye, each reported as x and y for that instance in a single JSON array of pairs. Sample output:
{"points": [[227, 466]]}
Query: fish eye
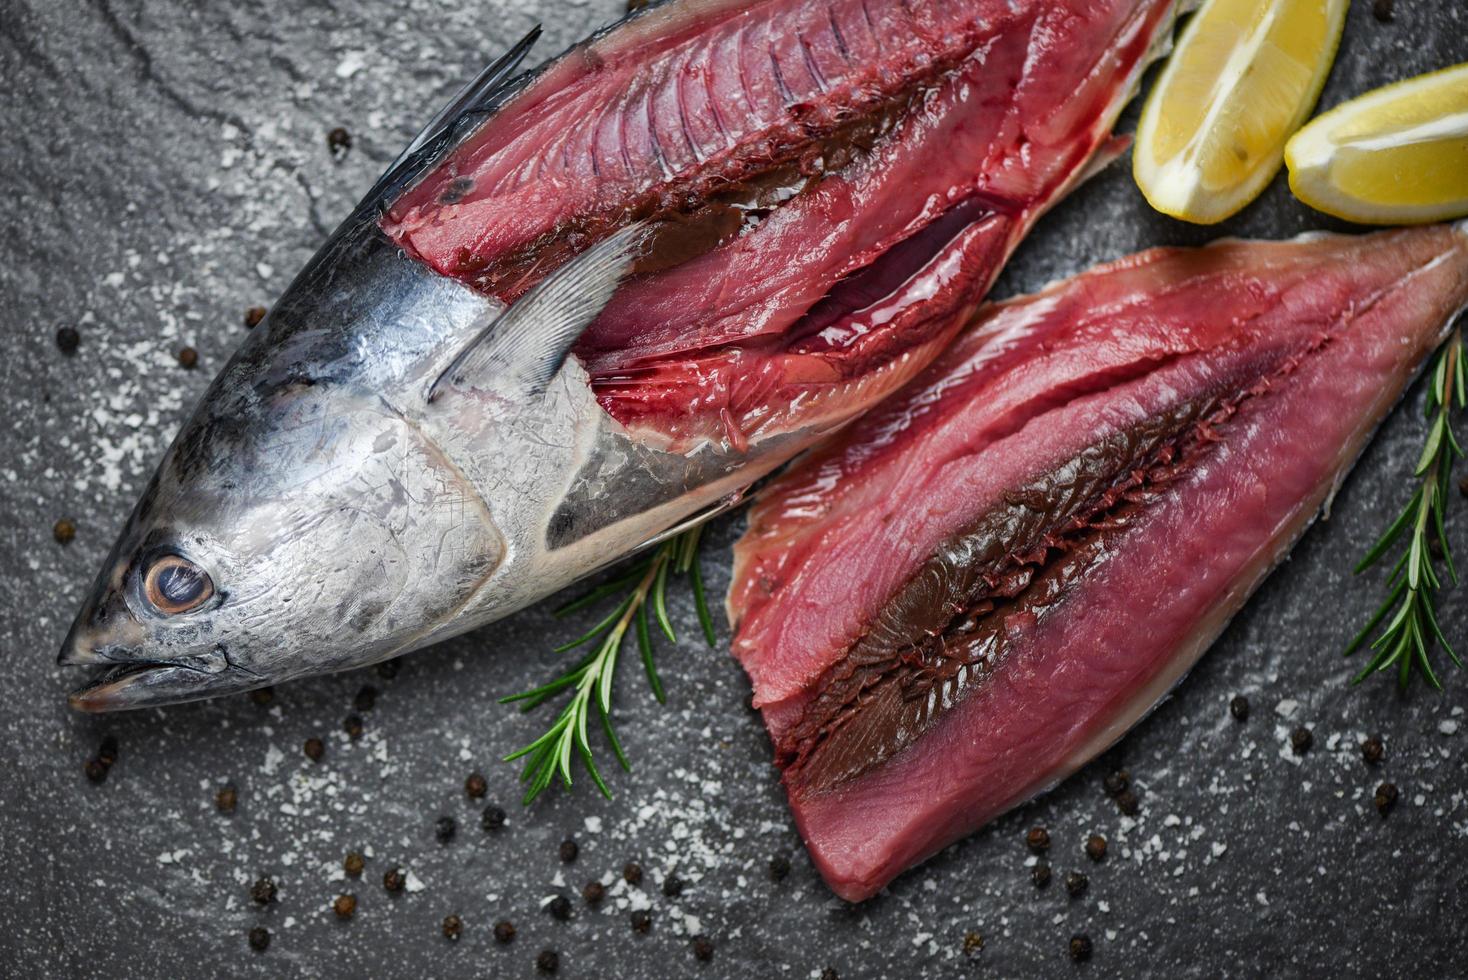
{"points": [[174, 585]]}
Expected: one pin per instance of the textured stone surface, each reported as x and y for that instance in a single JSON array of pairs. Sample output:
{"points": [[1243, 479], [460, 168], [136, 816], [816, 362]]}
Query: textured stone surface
{"points": [[166, 167]]}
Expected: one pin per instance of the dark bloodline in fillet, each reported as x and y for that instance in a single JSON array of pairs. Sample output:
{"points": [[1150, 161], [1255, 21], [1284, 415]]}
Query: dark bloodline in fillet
{"points": [[1029, 551]]}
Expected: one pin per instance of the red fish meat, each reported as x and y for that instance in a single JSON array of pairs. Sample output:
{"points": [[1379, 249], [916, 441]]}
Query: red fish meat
{"points": [[988, 579], [835, 185]]}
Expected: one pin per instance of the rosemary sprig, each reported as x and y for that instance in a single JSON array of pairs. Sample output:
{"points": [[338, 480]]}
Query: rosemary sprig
{"points": [[644, 585], [1412, 632]]}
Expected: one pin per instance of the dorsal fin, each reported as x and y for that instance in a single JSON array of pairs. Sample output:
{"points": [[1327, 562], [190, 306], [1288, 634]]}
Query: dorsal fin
{"points": [[474, 99], [528, 343]]}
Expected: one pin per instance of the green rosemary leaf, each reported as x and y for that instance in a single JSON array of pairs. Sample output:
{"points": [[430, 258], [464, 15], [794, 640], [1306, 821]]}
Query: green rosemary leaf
{"points": [[598, 629], [583, 747], [608, 669], [1375, 620], [602, 591], [547, 737], [1387, 539], [616, 744], [660, 602], [700, 602], [1433, 446], [644, 644]]}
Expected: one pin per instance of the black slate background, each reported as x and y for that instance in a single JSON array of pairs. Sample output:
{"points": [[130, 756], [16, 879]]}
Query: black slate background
{"points": [[164, 168]]}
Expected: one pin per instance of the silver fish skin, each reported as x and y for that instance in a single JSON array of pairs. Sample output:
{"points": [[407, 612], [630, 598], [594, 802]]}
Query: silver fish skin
{"points": [[342, 518], [379, 467]]}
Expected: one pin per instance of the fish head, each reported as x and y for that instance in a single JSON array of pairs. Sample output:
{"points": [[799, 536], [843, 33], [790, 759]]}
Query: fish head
{"points": [[292, 528]]}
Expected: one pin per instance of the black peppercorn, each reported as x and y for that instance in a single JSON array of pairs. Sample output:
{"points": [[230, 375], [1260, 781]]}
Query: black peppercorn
{"points": [[549, 961], [593, 891], [1040, 875], [1080, 947], [672, 886], [1383, 11], [1038, 840], [68, 340], [262, 695], [339, 141], [253, 316], [1239, 708], [1116, 782], [569, 850], [64, 531], [263, 891], [443, 829], [1126, 802], [107, 751], [632, 873], [352, 725], [188, 357], [493, 818], [1386, 798], [779, 867], [559, 907], [1076, 884], [388, 669], [1373, 750], [453, 927], [366, 698], [703, 949], [1096, 847], [345, 906], [353, 864], [504, 932], [829, 973], [394, 880], [1300, 740], [476, 786], [259, 939], [641, 922], [96, 770], [315, 749], [226, 799]]}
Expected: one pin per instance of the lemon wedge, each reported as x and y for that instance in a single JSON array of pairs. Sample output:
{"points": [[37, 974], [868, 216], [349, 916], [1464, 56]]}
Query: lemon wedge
{"points": [[1243, 78], [1396, 155]]}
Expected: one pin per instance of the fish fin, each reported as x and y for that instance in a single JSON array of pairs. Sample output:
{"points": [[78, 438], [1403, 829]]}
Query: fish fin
{"points": [[475, 98], [528, 343]]}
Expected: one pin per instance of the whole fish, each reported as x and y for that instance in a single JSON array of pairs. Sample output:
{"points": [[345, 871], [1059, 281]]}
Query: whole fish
{"points": [[984, 582], [586, 307]]}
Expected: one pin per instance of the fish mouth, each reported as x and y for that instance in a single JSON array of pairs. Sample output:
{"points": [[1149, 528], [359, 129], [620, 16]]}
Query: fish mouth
{"points": [[125, 682]]}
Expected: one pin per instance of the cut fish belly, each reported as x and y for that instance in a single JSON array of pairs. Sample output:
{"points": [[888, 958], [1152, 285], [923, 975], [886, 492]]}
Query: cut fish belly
{"points": [[989, 578], [834, 185]]}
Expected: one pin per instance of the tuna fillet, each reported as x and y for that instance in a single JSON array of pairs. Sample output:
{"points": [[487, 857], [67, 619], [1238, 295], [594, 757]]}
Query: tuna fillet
{"points": [[989, 578], [835, 186]]}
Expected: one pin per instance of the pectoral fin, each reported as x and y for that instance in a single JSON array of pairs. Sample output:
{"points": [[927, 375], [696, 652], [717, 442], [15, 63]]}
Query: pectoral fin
{"points": [[524, 348]]}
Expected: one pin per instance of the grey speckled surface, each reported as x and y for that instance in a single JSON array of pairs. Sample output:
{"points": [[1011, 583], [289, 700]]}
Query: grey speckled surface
{"points": [[165, 168]]}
